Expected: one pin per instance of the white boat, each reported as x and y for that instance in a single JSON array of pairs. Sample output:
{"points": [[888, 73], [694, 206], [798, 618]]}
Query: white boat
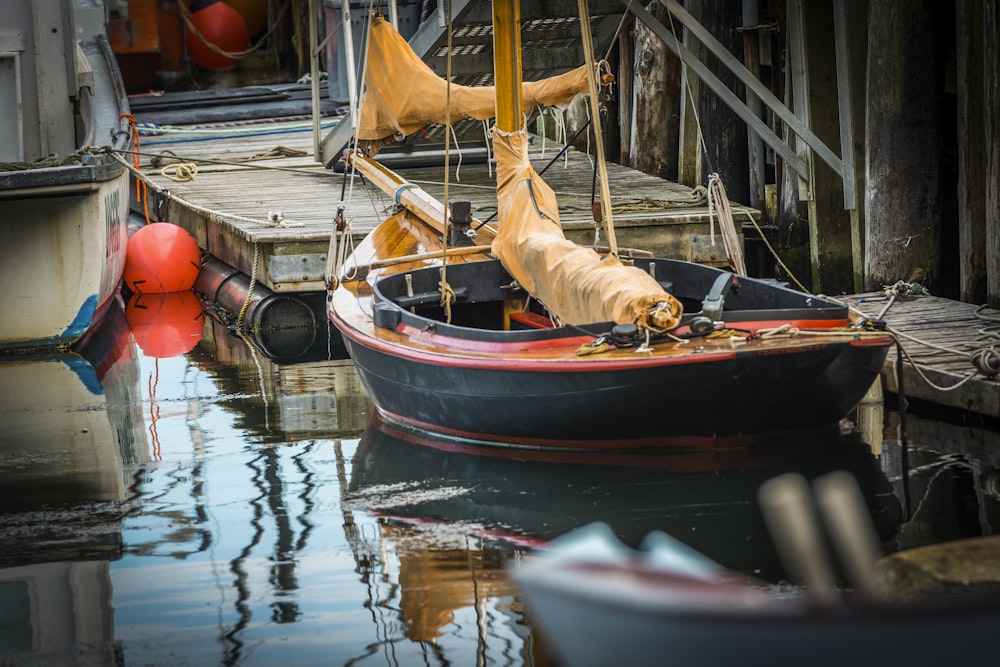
{"points": [[600, 603], [63, 200]]}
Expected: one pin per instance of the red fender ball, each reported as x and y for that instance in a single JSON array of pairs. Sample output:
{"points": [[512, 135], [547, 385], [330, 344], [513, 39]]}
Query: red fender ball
{"points": [[161, 257], [219, 25]]}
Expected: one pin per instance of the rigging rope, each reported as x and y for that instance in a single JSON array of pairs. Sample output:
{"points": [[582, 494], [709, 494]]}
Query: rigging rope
{"points": [[588, 52], [140, 185], [447, 293], [718, 203]]}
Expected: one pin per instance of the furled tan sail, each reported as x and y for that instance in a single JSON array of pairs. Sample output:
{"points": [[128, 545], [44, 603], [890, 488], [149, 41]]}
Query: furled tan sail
{"points": [[574, 282], [403, 94]]}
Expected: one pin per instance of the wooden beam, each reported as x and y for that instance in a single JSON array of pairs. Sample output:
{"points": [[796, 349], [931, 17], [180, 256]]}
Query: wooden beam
{"points": [[507, 64]]}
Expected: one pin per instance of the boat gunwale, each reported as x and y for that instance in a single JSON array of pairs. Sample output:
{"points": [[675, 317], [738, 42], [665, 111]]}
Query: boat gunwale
{"points": [[831, 315], [577, 581]]}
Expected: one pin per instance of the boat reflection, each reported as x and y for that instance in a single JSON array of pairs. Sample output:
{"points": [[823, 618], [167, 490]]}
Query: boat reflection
{"points": [[425, 495], [312, 390], [72, 436], [72, 433]]}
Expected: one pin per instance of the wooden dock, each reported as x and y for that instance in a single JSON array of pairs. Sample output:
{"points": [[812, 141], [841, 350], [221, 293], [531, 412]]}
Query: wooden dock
{"points": [[939, 337], [262, 204], [259, 199]]}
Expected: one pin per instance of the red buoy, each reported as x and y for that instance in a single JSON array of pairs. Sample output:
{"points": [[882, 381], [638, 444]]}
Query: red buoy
{"points": [[165, 325], [219, 25], [161, 257]]}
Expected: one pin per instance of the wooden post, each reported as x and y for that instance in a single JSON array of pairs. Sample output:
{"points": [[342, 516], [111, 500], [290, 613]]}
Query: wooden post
{"points": [[689, 169], [724, 131], [626, 54], [903, 143], [655, 102], [971, 151], [755, 144], [830, 229], [991, 139]]}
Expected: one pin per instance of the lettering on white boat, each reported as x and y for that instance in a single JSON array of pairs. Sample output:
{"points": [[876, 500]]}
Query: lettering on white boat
{"points": [[112, 222]]}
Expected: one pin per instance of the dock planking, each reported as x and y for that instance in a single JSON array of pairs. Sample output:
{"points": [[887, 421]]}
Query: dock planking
{"points": [[956, 331], [273, 170], [246, 181]]}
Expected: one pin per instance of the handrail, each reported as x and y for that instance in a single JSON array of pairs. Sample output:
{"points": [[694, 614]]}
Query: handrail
{"points": [[843, 167]]}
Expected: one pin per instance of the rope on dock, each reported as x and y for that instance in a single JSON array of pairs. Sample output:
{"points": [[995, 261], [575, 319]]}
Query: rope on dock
{"points": [[985, 358], [273, 219]]}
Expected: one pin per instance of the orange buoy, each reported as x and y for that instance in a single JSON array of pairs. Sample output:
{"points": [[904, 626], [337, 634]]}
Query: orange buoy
{"points": [[219, 25], [254, 13], [165, 325], [161, 257]]}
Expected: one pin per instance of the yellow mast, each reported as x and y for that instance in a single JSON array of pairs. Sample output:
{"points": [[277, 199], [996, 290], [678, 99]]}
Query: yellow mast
{"points": [[507, 64]]}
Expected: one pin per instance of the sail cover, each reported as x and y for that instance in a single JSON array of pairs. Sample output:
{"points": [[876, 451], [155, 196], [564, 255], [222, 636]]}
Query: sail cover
{"points": [[575, 283], [403, 94]]}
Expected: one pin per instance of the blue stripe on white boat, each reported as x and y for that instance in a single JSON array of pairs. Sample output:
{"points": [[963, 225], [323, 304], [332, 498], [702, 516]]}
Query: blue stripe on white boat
{"points": [[82, 321], [85, 372]]}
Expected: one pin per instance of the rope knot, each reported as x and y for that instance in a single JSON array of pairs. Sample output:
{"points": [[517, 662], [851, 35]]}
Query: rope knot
{"points": [[986, 361]]}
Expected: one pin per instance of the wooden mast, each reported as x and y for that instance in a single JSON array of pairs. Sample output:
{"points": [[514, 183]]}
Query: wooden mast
{"points": [[507, 64]]}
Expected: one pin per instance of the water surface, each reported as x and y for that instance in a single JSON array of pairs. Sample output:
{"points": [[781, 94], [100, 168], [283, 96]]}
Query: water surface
{"points": [[181, 497]]}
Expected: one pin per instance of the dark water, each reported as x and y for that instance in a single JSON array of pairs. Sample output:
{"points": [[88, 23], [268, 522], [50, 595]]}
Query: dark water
{"points": [[179, 497]]}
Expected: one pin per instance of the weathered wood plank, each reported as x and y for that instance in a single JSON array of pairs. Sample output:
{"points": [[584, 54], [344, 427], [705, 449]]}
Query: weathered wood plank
{"points": [[266, 195]]}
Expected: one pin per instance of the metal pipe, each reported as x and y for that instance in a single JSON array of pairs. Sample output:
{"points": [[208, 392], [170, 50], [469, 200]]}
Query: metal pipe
{"points": [[228, 288]]}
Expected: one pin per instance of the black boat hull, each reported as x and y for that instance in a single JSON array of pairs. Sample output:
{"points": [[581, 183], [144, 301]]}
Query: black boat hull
{"points": [[721, 400]]}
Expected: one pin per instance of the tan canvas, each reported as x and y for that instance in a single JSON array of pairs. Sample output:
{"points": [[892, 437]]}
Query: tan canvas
{"points": [[574, 282], [403, 94]]}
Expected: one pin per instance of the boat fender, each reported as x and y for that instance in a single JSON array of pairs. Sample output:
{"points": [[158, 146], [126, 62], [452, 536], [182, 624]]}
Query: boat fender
{"points": [[386, 316]]}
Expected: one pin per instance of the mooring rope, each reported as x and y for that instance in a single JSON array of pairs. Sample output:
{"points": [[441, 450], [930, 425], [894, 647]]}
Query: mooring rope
{"points": [[274, 219], [718, 204], [253, 283]]}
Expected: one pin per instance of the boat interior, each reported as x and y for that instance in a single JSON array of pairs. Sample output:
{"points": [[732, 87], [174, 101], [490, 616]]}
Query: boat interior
{"points": [[487, 299]]}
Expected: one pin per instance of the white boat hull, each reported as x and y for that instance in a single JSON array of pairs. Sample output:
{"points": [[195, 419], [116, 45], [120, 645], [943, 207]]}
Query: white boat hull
{"points": [[61, 261]]}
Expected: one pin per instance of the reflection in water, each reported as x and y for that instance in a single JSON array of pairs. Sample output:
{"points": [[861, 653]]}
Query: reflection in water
{"points": [[222, 507], [708, 502], [71, 435], [286, 402], [952, 481]]}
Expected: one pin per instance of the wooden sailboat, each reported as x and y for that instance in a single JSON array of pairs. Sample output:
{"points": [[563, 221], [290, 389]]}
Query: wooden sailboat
{"points": [[522, 338]]}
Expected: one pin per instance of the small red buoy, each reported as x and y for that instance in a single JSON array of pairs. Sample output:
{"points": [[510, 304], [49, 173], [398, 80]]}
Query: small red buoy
{"points": [[219, 25], [165, 325], [161, 257]]}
